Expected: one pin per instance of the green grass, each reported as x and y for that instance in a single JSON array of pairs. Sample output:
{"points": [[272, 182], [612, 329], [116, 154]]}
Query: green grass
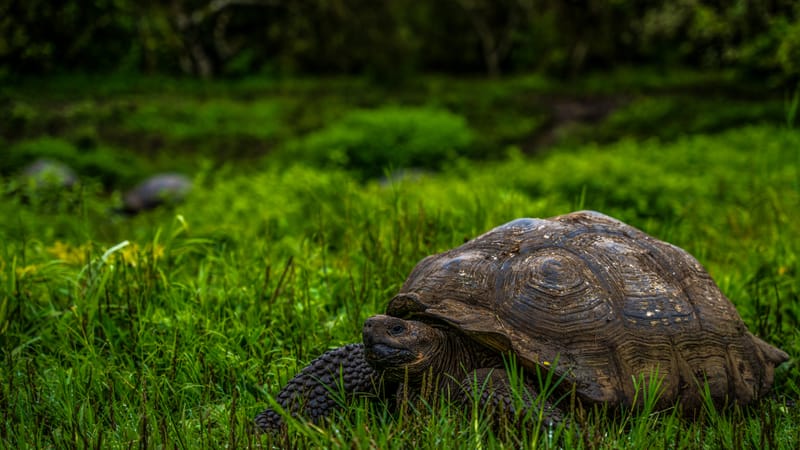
{"points": [[173, 328], [218, 303]]}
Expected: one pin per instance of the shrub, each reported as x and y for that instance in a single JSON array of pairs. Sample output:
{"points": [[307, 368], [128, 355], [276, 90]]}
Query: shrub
{"points": [[369, 141]]}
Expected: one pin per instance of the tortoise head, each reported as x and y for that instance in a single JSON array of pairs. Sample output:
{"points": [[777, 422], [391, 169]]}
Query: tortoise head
{"points": [[399, 347]]}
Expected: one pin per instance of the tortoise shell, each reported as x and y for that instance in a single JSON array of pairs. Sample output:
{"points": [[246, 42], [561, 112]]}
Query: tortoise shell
{"points": [[600, 303]]}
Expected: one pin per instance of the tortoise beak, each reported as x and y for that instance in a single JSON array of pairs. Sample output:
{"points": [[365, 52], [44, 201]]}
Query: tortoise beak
{"points": [[382, 352]]}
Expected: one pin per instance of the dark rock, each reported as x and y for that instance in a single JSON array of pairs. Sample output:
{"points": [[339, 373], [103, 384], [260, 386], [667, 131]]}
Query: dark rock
{"points": [[48, 173], [167, 188]]}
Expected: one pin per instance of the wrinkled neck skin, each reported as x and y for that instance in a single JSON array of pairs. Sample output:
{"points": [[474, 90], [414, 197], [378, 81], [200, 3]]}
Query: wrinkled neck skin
{"points": [[450, 359]]}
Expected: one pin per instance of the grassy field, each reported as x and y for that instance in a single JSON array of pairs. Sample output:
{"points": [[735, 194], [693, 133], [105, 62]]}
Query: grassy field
{"points": [[171, 329]]}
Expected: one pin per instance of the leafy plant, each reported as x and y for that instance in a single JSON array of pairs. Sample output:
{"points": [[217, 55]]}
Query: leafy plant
{"points": [[371, 141]]}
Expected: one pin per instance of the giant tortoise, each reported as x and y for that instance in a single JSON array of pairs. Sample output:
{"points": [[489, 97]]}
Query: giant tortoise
{"points": [[599, 303]]}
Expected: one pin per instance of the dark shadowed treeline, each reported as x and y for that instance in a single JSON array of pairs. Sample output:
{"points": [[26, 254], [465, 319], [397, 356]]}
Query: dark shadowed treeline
{"points": [[391, 38]]}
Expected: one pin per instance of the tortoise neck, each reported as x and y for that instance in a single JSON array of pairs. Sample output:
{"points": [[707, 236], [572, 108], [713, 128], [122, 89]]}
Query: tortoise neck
{"points": [[457, 355]]}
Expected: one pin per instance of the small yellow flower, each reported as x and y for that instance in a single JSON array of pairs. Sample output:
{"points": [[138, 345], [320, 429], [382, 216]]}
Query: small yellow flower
{"points": [[59, 249], [27, 270], [782, 270], [68, 253], [134, 254], [156, 251], [130, 254]]}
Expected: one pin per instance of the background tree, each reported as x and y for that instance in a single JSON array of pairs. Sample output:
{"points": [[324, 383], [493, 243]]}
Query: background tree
{"points": [[207, 38]]}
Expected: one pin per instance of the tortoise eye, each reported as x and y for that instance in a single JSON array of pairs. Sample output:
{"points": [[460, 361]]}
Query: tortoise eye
{"points": [[397, 329]]}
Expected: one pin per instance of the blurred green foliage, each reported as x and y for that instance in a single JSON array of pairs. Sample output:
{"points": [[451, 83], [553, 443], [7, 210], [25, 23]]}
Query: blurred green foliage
{"points": [[669, 117], [120, 129], [109, 166], [389, 40], [176, 117], [370, 141]]}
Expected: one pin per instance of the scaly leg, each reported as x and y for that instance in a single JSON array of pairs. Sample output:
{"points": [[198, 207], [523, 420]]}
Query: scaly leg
{"points": [[312, 393]]}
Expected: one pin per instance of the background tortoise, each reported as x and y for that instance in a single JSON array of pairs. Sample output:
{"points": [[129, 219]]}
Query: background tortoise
{"points": [[44, 173], [157, 190], [584, 295]]}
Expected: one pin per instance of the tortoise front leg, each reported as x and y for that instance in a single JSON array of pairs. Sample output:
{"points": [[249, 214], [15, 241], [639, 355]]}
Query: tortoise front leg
{"points": [[313, 392], [491, 391]]}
